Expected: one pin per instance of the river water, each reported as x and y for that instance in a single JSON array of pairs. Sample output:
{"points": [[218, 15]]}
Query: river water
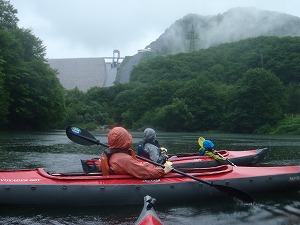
{"points": [[55, 152]]}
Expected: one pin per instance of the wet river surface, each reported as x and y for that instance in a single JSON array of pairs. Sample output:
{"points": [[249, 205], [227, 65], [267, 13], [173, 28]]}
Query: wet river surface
{"points": [[56, 153]]}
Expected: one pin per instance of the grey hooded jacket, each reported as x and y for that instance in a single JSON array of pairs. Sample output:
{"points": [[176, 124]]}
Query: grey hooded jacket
{"points": [[153, 151]]}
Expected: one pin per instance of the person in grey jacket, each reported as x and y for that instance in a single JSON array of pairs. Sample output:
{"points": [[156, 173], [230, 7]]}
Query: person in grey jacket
{"points": [[149, 147]]}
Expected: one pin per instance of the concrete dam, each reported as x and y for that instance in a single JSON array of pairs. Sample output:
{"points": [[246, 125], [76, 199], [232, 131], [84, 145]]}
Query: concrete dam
{"points": [[85, 73]]}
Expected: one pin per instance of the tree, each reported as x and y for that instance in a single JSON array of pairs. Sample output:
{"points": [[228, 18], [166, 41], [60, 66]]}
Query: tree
{"points": [[8, 18], [8, 21], [173, 117], [202, 100], [256, 100], [35, 98], [3, 99], [74, 101], [293, 99]]}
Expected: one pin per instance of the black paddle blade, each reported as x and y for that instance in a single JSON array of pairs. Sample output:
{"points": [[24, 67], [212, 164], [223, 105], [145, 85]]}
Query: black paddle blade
{"points": [[81, 136], [233, 192]]}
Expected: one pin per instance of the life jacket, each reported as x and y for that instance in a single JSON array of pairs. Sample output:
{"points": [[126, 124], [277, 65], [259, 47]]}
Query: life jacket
{"points": [[141, 148], [106, 154]]}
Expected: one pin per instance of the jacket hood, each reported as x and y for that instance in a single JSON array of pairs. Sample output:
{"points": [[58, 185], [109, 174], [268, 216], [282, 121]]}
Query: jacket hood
{"points": [[149, 135], [119, 138], [207, 144]]}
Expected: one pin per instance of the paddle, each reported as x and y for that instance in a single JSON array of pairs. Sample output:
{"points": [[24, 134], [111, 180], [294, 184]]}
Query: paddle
{"points": [[231, 163], [200, 142], [83, 137]]}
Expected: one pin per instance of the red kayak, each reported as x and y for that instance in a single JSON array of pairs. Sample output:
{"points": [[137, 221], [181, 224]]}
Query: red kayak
{"points": [[192, 160], [148, 215], [39, 187], [239, 158]]}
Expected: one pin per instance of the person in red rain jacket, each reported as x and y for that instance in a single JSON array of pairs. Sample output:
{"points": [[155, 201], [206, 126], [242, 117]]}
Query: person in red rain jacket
{"points": [[120, 158]]}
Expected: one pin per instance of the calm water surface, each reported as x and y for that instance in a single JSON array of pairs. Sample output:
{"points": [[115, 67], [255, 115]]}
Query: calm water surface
{"points": [[55, 152]]}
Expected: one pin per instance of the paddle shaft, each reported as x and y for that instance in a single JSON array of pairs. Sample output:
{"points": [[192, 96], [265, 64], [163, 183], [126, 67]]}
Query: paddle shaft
{"points": [[231, 163], [175, 170], [87, 139], [233, 192]]}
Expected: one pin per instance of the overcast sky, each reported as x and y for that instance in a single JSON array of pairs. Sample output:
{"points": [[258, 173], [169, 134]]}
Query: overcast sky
{"points": [[94, 28]]}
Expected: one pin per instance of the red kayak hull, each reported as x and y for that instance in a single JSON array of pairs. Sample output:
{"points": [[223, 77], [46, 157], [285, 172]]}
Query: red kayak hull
{"points": [[239, 158], [37, 187]]}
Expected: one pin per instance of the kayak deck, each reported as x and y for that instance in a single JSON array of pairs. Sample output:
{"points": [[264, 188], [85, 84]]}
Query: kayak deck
{"points": [[40, 176], [38, 187], [239, 158]]}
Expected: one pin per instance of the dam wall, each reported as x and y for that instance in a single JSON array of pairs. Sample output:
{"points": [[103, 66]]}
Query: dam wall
{"points": [[82, 73]]}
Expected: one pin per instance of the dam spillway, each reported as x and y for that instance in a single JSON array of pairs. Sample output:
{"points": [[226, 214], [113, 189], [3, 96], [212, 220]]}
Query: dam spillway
{"points": [[84, 73]]}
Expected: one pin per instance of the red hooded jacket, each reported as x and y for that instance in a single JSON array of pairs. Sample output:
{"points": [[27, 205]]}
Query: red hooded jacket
{"points": [[123, 163]]}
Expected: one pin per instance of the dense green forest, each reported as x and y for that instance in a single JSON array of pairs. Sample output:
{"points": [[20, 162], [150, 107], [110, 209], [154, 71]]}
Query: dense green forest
{"points": [[250, 86], [31, 96]]}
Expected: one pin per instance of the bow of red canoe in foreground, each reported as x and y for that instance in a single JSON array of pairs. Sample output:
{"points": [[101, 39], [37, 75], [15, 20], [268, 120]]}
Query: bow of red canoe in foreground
{"points": [[148, 215], [38, 187]]}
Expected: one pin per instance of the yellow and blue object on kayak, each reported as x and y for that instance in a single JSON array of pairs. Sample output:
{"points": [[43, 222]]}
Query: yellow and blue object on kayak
{"points": [[205, 145], [206, 148]]}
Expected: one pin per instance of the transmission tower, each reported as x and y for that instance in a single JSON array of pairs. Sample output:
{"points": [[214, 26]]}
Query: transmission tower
{"points": [[192, 36]]}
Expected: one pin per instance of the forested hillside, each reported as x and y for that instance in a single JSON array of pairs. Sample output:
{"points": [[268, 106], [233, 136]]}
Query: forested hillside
{"points": [[194, 32], [31, 96], [227, 62], [248, 86]]}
